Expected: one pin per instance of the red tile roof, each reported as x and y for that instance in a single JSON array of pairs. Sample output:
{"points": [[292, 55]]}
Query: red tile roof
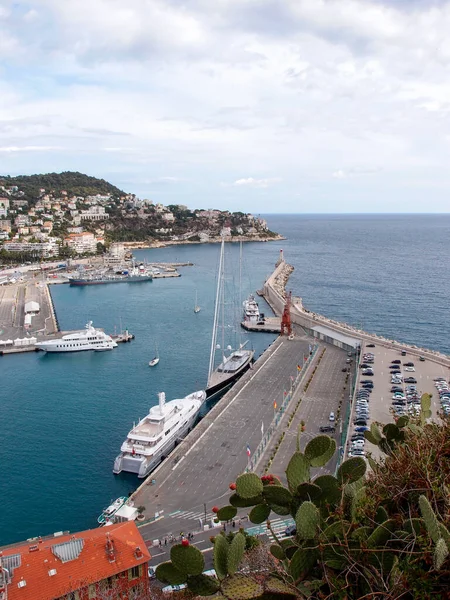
{"points": [[88, 561]]}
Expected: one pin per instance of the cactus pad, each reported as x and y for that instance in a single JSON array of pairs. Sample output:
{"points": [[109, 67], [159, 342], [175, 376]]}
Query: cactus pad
{"points": [[241, 587], [330, 488], [168, 573], [235, 553], [381, 534], [376, 433], [440, 553], [277, 551], [445, 533], [334, 556], [302, 561], [317, 447], [381, 515], [276, 586], [227, 513], [351, 470], [203, 585], [248, 485], [393, 433], [297, 471], [308, 491], [187, 559], [280, 510], [430, 519], [320, 461], [402, 421], [425, 402], [220, 556], [277, 494], [335, 530], [372, 439], [307, 520], [259, 513], [239, 502], [414, 525]]}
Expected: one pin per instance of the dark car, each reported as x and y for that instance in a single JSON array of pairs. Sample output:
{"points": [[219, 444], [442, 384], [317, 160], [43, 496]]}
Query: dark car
{"points": [[344, 370], [396, 362], [410, 380], [403, 352], [364, 366], [361, 422], [367, 381], [408, 364], [291, 530], [395, 388], [367, 373], [327, 429], [370, 346], [394, 366]]}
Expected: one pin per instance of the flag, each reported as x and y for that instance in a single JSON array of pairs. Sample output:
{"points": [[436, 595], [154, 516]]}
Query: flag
{"points": [[262, 428], [249, 452], [275, 405], [285, 393], [299, 367]]}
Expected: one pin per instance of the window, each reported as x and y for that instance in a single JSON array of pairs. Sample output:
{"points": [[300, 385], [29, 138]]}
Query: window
{"points": [[133, 573], [92, 591]]}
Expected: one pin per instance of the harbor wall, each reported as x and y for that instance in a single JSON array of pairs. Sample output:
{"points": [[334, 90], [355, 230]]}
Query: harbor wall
{"points": [[274, 292]]}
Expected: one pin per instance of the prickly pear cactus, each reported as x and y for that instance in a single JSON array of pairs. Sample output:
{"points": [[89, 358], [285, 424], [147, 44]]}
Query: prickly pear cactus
{"points": [[241, 587], [248, 485], [297, 471], [187, 559], [351, 470], [168, 573], [227, 513], [317, 450], [259, 513], [235, 553], [307, 521]]}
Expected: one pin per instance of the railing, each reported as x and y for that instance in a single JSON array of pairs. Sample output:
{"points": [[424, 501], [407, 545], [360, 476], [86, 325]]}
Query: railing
{"points": [[267, 436]]}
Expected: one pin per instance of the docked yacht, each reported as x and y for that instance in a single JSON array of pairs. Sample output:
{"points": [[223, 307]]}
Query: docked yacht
{"points": [[109, 512], [155, 436], [251, 310], [87, 339]]}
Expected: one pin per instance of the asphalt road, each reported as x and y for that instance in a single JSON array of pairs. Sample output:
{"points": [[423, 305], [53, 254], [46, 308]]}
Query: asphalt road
{"points": [[203, 474]]}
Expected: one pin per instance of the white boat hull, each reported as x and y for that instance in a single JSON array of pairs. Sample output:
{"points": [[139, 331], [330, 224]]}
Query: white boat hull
{"points": [[81, 348]]}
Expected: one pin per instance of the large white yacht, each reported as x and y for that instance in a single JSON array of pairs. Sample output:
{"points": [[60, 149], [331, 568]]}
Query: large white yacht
{"points": [[251, 310], [87, 339], [155, 436]]}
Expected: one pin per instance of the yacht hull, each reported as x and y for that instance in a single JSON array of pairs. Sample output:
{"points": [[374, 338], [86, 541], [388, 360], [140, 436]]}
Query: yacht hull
{"points": [[226, 383]]}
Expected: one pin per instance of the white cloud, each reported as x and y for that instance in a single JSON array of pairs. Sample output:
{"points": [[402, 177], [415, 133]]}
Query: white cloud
{"points": [[138, 89]]}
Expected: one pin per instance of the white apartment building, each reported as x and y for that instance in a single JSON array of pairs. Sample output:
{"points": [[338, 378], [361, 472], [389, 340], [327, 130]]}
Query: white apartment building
{"points": [[44, 249], [82, 242], [95, 213]]}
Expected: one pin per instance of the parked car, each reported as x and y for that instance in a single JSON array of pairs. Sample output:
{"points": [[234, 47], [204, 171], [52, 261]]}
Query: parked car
{"points": [[370, 346], [362, 428], [331, 417], [403, 352], [422, 359], [410, 380], [396, 362], [327, 429], [408, 364], [290, 530], [169, 589]]}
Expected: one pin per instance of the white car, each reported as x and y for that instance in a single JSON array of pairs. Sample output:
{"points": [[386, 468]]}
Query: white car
{"points": [[174, 588], [409, 369], [331, 417]]}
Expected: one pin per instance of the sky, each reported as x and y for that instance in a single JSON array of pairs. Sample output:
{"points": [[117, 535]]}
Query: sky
{"points": [[264, 106]]}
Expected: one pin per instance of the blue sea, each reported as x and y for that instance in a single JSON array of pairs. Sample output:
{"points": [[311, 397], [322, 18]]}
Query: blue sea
{"points": [[64, 417]]}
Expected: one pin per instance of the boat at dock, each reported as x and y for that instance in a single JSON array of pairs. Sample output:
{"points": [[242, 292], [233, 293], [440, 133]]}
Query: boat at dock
{"points": [[157, 434], [89, 338], [238, 361], [251, 310], [109, 512], [99, 278]]}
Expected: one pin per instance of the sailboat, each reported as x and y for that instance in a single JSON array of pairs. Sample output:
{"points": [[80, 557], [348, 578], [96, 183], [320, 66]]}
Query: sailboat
{"points": [[155, 360], [196, 306], [238, 361]]}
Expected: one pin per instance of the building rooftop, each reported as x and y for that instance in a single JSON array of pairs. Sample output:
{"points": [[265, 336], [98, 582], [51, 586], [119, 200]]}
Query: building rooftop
{"points": [[50, 568]]}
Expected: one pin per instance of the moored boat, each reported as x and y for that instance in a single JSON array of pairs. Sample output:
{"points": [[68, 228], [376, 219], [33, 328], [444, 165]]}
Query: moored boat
{"points": [[88, 339], [109, 512]]}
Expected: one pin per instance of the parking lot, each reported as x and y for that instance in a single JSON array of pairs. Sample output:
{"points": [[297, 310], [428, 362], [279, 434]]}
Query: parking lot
{"points": [[410, 382]]}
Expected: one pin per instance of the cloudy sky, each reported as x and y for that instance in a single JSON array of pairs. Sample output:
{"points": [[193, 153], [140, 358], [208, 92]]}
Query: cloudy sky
{"points": [[254, 105]]}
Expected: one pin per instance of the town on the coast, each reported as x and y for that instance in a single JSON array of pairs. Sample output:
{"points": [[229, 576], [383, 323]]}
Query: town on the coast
{"points": [[69, 215]]}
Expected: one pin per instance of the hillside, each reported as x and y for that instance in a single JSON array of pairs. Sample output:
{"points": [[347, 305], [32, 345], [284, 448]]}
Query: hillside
{"points": [[74, 183]]}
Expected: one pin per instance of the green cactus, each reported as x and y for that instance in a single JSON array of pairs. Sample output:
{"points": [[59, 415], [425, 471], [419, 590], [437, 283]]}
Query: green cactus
{"points": [[334, 556], [241, 587], [259, 513], [302, 562], [203, 585], [277, 495], [393, 433], [276, 586], [221, 556], [381, 534], [440, 553], [168, 573], [227, 513], [362, 533], [335, 530], [414, 526], [248, 485], [187, 559], [297, 471], [351, 470], [330, 488], [308, 491], [381, 515], [280, 510], [425, 402], [371, 438], [235, 553], [430, 519], [402, 421], [277, 551], [307, 520], [239, 502], [445, 534], [316, 447]]}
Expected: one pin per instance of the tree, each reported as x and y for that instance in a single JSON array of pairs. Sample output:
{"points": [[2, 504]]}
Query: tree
{"points": [[354, 538]]}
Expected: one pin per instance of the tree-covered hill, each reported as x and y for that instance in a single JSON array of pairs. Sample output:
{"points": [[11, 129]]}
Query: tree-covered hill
{"points": [[74, 183]]}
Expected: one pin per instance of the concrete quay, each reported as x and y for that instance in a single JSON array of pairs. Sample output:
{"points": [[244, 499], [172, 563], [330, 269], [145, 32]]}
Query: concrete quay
{"points": [[271, 325], [196, 475]]}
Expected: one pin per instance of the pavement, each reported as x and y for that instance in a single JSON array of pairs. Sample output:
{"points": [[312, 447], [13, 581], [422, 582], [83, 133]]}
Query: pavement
{"points": [[197, 478], [381, 398]]}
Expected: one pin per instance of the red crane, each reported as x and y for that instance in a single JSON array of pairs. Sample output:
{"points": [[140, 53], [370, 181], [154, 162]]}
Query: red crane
{"points": [[286, 325]]}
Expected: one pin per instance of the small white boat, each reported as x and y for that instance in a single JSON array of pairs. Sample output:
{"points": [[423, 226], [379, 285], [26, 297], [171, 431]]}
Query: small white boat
{"points": [[154, 360], [110, 511], [196, 306]]}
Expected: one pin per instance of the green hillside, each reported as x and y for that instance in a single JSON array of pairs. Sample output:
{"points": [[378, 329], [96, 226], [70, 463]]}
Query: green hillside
{"points": [[74, 183]]}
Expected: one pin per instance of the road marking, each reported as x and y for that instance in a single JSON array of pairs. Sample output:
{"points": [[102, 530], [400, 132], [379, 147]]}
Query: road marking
{"points": [[174, 513]]}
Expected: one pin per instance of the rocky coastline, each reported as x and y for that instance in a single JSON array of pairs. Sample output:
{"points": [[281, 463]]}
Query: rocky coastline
{"points": [[214, 240]]}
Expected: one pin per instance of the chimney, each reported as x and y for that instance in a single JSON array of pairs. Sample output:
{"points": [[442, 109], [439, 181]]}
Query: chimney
{"points": [[110, 550], [138, 552]]}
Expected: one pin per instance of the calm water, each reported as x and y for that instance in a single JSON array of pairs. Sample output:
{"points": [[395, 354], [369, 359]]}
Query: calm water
{"points": [[64, 417]]}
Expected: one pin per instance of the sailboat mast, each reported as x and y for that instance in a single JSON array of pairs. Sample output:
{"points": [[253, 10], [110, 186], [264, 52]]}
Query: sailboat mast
{"points": [[216, 313], [239, 303]]}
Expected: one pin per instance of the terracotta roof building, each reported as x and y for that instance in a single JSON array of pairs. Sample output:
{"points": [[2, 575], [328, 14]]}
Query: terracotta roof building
{"points": [[85, 566]]}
